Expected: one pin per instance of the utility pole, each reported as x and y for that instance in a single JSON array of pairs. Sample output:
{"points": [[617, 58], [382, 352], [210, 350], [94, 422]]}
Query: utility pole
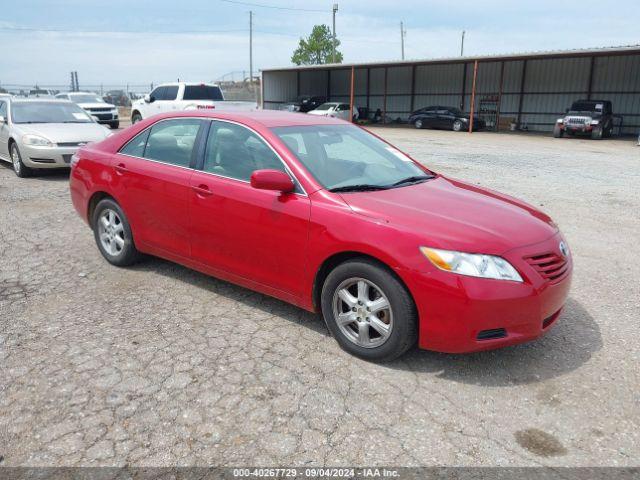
{"points": [[333, 51], [462, 45], [403, 33], [250, 47]]}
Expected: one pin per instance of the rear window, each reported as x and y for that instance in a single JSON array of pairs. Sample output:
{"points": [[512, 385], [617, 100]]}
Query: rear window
{"points": [[202, 92]]}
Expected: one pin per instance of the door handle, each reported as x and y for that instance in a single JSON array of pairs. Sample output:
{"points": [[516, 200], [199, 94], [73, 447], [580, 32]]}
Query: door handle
{"points": [[121, 168], [202, 189]]}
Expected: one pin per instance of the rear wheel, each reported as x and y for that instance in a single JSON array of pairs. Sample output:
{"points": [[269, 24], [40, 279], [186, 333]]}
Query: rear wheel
{"points": [[135, 118], [418, 124], [113, 234], [457, 126], [20, 169], [368, 311]]}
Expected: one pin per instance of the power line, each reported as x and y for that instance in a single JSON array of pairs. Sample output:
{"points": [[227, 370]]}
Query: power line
{"points": [[128, 32], [276, 7]]}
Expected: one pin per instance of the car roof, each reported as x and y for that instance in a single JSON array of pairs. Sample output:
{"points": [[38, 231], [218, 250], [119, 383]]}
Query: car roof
{"points": [[188, 84], [40, 100], [266, 118]]}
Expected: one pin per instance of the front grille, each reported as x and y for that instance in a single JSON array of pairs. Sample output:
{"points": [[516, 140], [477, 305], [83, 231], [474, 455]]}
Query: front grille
{"points": [[99, 109], [492, 334], [550, 266], [581, 121]]}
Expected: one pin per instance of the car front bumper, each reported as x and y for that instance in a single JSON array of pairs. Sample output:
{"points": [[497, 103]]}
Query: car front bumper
{"points": [[46, 157], [460, 314], [105, 117]]}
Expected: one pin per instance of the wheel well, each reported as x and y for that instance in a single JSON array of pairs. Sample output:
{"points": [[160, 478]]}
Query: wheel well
{"points": [[9, 143], [93, 201], [333, 261]]}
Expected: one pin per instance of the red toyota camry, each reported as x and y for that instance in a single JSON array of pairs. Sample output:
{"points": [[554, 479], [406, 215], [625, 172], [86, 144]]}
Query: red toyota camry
{"points": [[327, 216]]}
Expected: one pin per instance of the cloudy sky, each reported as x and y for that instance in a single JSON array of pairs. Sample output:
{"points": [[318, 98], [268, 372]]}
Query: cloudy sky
{"points": [[142, 41]]}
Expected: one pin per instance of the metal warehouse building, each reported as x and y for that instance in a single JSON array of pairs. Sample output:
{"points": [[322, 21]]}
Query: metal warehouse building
{"points": [[530, 90]]}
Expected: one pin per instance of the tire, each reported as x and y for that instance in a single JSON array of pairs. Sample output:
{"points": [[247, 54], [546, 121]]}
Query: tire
{"points": [[114, 125], [135, 118], [457, 126], [596, 133], [418, 124], [19, 168], [121, 252], [379, 343], [557, 132]]}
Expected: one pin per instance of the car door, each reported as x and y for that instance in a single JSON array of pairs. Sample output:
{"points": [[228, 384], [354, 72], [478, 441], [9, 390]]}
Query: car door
{"points": [[429, 117], [168, 100], [258, 235], [151, 181], [4, 130], [444, 119]]}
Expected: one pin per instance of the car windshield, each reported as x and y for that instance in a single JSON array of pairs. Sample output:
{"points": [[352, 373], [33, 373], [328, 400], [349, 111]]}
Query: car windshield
{"points": [[586, 107], [326, 106], [202, 92], [86, 98], [455, 111], [48, 112], [346, 157]]}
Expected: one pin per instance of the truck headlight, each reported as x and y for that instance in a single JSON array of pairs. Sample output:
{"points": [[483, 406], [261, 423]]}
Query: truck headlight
{"points": [[36, 141], [560, 120], [595, 122], [472, 264]]}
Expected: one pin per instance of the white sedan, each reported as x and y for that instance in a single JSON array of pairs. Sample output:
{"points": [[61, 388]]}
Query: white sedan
{"points": [[337, 110]]}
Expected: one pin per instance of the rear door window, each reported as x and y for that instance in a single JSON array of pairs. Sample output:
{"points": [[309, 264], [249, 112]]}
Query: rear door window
{"points": [[135, 146], [173, 141]]}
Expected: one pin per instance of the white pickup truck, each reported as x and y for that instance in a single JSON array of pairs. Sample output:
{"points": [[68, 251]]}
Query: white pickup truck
{"points": [[184, 96]]}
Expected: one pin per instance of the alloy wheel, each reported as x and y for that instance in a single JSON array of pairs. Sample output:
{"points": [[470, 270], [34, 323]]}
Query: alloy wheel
{"points": [[362, 312], [418, 123], [111, 232], [15, 159]]}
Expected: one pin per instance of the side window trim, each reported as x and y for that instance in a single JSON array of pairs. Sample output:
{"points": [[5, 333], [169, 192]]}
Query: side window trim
{"points": [[201, 157]]}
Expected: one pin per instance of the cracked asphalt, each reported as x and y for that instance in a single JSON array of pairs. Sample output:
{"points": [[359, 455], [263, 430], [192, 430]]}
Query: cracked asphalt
{"points": [[157, 365]]}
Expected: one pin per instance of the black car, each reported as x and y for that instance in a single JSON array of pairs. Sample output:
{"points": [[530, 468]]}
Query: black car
{"points": [[304, 103], [446, 118]]}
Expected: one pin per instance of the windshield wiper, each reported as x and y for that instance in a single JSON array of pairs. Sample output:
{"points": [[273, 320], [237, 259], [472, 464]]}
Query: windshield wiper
{"points": [[362, 187], [413, 179]]}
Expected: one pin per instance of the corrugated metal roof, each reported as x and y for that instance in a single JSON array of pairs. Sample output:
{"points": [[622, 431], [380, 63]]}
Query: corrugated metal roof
{"points": [[602, 51]]}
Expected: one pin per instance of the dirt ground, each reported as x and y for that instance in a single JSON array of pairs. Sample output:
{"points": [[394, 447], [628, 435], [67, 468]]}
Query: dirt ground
{"points": [[159, 365]]}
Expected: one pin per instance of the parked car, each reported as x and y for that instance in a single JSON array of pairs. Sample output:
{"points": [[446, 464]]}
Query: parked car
{"points": [[325, 215], [445, 118], [43, 133], [93, 104], [336, 110], [184, 96], [41, 93], [591, 117], [119, 98], [304, 104]]}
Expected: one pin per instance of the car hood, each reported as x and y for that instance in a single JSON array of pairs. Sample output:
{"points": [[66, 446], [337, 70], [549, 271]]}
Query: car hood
{"points": [[455, 215], [319, 112], [96, 105], [66, 132]]}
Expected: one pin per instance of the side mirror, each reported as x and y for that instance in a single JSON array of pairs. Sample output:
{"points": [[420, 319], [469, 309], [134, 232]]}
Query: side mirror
{"points": [[148, 98], [2, 120], [272, 180]]}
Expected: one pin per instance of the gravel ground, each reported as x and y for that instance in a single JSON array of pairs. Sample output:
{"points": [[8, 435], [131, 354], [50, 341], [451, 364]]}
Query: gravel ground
{"points": [[159, 365]]}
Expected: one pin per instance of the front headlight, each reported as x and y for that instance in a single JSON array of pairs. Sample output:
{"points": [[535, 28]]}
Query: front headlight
{"points": [[595, 122], [472, 264], [560, 120], [36, 141], [465, 120]]}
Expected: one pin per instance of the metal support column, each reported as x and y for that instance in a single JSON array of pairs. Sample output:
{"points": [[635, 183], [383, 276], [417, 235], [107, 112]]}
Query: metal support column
{"points": [[353, 74], [473, 95], [522, 85]]}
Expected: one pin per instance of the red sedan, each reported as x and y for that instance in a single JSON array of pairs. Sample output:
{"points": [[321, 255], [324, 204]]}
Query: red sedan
{"points": [[327, 216]]}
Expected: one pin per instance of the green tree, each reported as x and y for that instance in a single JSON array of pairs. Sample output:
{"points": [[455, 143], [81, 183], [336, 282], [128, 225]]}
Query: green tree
{"points": [[316, 49]]}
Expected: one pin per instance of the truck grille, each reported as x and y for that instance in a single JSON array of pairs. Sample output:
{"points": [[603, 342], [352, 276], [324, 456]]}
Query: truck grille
{"points": [[100, 109], [577, 121], [550, 266]]}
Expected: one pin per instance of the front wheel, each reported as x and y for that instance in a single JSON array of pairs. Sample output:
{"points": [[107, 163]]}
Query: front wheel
{"points": [[113, 234], [457, 126], [114, 125], [596, 133], [368, 310], [557, 132], [20, 169]]}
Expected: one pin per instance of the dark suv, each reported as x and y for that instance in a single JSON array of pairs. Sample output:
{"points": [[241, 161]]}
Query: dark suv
{"points": [[592, 117]]}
